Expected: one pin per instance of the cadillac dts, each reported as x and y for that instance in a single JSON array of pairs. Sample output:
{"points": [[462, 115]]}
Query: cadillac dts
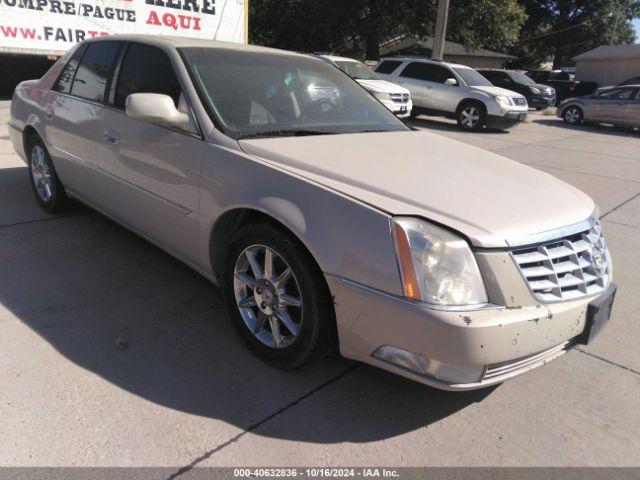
{"points": [[324, 219]]}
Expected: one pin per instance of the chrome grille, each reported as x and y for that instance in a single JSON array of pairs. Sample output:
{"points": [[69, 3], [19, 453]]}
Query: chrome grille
{"points": [[528, 362], [572, 267], [399, 97]]}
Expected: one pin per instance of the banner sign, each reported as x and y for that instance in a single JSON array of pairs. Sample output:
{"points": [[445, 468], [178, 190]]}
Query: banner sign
{"points": [[53, 26]]}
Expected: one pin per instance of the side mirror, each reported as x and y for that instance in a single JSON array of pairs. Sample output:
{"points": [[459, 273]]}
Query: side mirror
{"points": [[452, 82], [156, 108]]}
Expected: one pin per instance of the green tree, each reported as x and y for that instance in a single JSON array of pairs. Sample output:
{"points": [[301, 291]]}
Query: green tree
{"points": [[356, 27], [562, 29]]}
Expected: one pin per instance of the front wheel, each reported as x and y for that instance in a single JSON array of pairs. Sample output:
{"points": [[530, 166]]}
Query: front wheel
{"points": [[277, 297], [472, 117], [573, 115]]}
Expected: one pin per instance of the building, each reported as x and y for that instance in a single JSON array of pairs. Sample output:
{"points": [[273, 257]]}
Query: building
{"points": [[453, 52], [609, 64]]}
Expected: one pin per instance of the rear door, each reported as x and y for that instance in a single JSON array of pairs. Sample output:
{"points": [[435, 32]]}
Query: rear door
{"points": [[75, 116], [155, 169]]}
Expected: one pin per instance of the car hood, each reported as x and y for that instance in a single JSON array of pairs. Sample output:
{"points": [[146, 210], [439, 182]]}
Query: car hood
{"points": [[497, 91], [493, 201], [381, 86]]}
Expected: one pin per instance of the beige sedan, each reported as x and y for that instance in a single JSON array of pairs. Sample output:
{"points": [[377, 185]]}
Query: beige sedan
{"points": [[325, 220]]}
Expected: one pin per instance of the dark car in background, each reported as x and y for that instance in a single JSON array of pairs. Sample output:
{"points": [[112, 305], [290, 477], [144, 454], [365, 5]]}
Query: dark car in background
{"points": [[565, 84], [538, 96]]}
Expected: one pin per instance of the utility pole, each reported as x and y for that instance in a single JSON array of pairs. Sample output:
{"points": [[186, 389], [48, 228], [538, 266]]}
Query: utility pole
{"points": [[615, 27], [441, 30]]}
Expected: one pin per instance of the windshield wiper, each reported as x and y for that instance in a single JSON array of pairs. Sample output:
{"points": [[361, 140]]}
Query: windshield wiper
{"points": [[284, 133]]}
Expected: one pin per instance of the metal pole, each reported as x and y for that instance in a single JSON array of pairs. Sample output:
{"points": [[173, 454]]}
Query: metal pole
{"points": [[441, 30]]}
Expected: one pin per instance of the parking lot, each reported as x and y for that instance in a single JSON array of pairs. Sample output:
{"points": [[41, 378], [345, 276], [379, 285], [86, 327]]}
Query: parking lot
{"points": [[112, 353]]}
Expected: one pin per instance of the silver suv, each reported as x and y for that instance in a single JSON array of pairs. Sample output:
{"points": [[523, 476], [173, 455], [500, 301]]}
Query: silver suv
{"points": [[455, 91]]}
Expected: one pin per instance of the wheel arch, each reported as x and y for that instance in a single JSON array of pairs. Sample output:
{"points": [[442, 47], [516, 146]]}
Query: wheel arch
{"points": [[468, 100], [27, 133], [238, 217]]}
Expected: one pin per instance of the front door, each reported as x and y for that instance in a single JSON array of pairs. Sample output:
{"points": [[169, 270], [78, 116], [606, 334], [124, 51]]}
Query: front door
{"points": [[156, 167], [609, 106]]}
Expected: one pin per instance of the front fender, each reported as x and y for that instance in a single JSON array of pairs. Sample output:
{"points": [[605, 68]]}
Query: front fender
{"points": [[346, 237]]}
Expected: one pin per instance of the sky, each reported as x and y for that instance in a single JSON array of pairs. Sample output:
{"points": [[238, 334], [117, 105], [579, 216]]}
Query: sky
{"points": [[636, 24]]}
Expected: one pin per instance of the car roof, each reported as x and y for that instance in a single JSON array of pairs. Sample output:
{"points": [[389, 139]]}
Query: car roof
{"points": [[185, 42], [425, 60]]}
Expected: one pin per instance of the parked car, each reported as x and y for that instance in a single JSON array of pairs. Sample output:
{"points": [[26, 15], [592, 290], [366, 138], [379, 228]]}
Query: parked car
{"points": [[455, 91], [538, 96], [563, 82], [325, 221], [393, 96], [615, 105]]}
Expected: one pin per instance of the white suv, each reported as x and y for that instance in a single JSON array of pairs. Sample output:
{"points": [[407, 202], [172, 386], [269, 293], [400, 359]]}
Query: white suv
{"points": [[455, 91], [391, 95]]}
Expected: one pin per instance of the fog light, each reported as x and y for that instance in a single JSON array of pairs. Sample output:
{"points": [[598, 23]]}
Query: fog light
{"points": [[403, 359], [456, 375]]}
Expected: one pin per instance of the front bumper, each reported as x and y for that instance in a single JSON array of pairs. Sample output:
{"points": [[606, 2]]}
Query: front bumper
{"points": [[499, 342], [506, 120], [401, 110], [542, 101]]}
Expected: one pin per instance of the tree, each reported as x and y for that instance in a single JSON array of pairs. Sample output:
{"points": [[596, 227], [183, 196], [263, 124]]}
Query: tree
{"points": [[356, 27], [562, 29]]}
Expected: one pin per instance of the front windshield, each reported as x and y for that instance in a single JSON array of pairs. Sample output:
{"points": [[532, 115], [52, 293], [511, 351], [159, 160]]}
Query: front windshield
{"points": [[357, 70], [262, 94], [520, 77], [473, 78]]}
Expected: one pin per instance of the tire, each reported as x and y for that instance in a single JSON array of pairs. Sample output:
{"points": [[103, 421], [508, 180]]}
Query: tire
{"points": [[471, 116], [573, 115], [309, 331], [44, 180]]}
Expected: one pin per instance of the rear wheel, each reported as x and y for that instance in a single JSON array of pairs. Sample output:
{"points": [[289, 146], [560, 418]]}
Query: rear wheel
{"points": [[472, 116], [573, 115], [277, 297], [46, 186]]}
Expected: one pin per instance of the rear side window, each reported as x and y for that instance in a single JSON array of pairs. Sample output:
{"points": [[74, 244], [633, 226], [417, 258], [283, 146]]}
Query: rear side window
{"points": [[427, 72], [95, 70], [63, 84], [146, 69], [388, 66], [417, 70]]}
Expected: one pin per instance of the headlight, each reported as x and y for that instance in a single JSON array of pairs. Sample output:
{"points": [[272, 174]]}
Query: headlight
{"points": [[437, 266], [382, 96], [503, 100], [534, 90]]}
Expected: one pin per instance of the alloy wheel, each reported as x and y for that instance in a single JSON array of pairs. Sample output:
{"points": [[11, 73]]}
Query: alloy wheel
{"points": [[41, 173], [572, 116], [268, 296], [470, 116]]}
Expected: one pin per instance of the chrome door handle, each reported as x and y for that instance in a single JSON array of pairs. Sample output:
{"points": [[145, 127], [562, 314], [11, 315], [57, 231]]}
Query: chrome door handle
{"points": [[111, 137], [48, 114]]}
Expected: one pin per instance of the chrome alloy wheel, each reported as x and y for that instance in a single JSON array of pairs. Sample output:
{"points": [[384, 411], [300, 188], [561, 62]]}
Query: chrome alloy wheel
{"points": [[572, 116], [268, 296], [470, 116], [41, 173]]}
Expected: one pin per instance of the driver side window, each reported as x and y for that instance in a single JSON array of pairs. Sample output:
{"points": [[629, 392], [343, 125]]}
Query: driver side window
{"points": [[146, 69]]}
